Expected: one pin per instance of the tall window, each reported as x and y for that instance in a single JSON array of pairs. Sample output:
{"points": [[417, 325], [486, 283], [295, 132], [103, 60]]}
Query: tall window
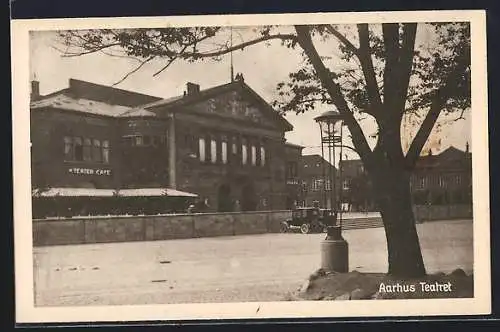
{"points": [[254, 155], [96, 151], [105, 152], [87, 149], [262, 156], [244, 152], [316, 184], [213, 150], [78, 148], [328, 185], [345, 184], [235, 146], [68, 148], [224, 150], [201, 148]]}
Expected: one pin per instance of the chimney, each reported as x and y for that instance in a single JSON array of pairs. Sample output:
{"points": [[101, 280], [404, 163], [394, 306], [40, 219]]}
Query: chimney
{"points": [[192, 88], [467, 147], [35, 90]]}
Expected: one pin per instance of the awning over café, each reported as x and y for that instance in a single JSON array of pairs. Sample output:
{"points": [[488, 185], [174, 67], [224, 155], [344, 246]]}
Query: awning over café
{"points": [[92, 192]]}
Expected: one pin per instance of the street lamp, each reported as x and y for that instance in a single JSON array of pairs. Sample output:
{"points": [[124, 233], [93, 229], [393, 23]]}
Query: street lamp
{"points": [[334, 248]]}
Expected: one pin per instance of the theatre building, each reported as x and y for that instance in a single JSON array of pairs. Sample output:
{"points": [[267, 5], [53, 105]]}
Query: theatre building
{"points": [[225, 145]]}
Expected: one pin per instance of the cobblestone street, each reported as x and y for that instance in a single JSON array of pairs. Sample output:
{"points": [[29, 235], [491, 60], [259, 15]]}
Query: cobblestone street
{"points": [[223, 269]]}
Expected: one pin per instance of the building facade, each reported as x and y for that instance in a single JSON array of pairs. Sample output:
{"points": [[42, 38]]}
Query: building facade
{"points": [[225, 144], [315, 189], [293, 176], [441, 179]]}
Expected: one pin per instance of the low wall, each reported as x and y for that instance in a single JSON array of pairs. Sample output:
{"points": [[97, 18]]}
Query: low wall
{"points": [[148, 228], [440, 212]]}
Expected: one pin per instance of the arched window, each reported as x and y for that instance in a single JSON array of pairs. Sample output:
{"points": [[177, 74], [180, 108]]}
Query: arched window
{"points": [[78, 148], [224, 150], [213, 150], [105, 152], [201, 149], [87, 149], [262, 156], [96, 151], [244, 152], [68, 148], [254, 155]]}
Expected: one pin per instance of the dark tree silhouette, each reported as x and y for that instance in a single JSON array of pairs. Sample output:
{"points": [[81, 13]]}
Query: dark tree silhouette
{"points": [[380, 71]]}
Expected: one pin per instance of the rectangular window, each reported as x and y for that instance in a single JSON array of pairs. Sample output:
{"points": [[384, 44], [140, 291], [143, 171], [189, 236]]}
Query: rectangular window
{"points": [[235, 146], [201, 148], [138, 140], [78, 149], [316, 184], [262, 156], [224, 150], [254, 155], [87, 149], [345, 184], [244, 152], [105, 152], [328, 185], [213, 150], [68, 148], [96, 151]]}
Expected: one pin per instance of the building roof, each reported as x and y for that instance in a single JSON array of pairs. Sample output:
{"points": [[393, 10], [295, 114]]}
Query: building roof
{"points": [[175, 103], [104, 100], [65, 102], [311, 161], [294, 145], [108, 94]]}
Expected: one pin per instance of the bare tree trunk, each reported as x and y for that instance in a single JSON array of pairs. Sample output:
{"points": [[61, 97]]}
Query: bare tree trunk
{"points": [[394, 198]]}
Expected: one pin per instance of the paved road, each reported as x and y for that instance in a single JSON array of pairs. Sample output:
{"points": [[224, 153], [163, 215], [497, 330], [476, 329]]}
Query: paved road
{"points": [[224, 269]]}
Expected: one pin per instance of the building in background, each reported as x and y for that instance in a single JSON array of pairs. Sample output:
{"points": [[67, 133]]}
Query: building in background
{"points": [[441, 179], [224, 144], [293, 176], [313, 171]]}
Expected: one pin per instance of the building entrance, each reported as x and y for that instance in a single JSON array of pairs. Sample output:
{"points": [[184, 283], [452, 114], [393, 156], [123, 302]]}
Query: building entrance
{"points": [[224, 199]]}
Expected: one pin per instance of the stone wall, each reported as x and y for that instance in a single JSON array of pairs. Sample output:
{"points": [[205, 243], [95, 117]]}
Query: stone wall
{"points": [[150, 228], [440, 212]]}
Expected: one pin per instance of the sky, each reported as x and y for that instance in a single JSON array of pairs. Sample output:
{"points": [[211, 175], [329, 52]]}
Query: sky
{"points": [[263, 66]]}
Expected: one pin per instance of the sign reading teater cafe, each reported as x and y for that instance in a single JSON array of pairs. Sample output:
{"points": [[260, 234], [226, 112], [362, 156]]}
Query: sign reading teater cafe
{"points": [[89, 171]]}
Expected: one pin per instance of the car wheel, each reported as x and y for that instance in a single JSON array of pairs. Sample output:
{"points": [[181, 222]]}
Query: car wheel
{"points": [[305, 228], [284, 227]]}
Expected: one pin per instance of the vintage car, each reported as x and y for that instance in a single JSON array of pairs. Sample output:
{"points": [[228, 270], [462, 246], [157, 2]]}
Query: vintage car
{"points": [[307, 220]]}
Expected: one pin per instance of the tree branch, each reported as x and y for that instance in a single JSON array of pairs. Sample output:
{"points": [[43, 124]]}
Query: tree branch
{"points": [[441, 96], [324, 74], [405, 63], [364, 55], [240, 46], [135, 70], [343, 39]]}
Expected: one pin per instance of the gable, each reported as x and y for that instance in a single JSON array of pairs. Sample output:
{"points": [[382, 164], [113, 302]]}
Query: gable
{"points": [[235, 105]]}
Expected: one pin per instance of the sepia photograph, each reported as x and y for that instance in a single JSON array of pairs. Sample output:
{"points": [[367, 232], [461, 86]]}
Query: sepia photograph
{"points": [[251, 166]]}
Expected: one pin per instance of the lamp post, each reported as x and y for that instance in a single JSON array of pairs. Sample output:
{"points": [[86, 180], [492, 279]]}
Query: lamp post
{"points": [[334, 248]]}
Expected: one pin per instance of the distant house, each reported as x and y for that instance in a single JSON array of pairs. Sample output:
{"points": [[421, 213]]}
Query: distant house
{"points": [[315, 189], [444, 178], [293, 174]]}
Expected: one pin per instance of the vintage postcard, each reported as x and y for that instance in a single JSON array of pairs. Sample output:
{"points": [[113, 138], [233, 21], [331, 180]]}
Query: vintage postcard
{"points": [[251, 166]]}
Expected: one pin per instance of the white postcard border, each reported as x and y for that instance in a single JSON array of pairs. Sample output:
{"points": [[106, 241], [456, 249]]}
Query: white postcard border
{"points": [[26, 312]]}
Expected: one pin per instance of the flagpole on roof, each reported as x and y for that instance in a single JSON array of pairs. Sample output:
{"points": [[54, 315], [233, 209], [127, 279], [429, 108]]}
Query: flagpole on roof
{"points": [[231, 54]]}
